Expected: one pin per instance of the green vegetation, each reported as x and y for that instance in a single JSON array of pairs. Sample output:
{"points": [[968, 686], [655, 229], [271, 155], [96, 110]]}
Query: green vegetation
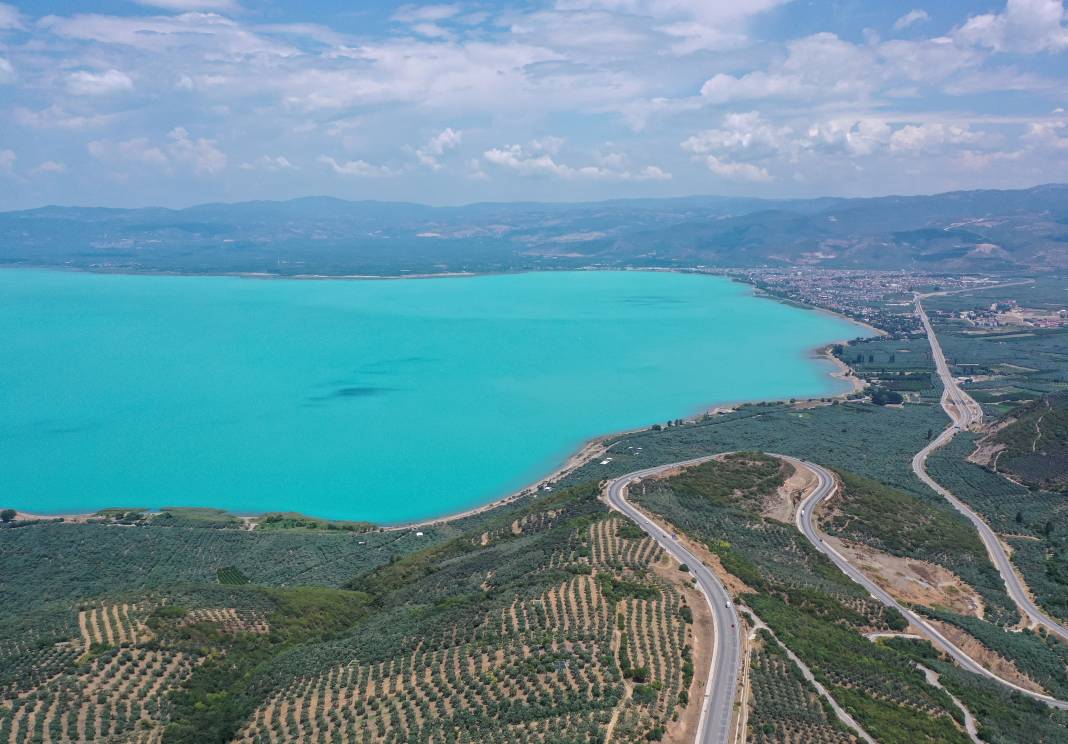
{"points": [[1004, 717], [1034, 443], [231, 575], [896, 522], [784, 706], [500, 630], [814, 609], [295, 521]]}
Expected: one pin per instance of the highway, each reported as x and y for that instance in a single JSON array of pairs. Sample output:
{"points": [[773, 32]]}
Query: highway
{"points": [[826, 487], [722, 680], [963, 412]]}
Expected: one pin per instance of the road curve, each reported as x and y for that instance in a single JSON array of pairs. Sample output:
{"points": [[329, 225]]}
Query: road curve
{"points": [[826, 487], [722, 680], [964, 411]]}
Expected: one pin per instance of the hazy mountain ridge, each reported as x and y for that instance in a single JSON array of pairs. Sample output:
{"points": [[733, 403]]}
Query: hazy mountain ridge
{"points": [[965, 230]]}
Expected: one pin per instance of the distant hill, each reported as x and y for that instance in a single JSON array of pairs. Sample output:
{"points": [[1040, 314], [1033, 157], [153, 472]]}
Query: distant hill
{"points": [[1032, 447], [959, 231]]}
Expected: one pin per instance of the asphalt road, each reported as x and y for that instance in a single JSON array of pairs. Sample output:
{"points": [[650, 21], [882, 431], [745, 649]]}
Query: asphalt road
{"points": [[963, 411], [826, 488], [718, 704]]}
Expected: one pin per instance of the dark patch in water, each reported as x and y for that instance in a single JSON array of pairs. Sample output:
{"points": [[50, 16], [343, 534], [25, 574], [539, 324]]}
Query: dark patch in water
{"points": [[649, 300], [353, 391], [360, 391]]}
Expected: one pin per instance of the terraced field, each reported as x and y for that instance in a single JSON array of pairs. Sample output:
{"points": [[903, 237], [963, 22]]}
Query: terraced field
{"points": [[572, 659], [112, 684]]}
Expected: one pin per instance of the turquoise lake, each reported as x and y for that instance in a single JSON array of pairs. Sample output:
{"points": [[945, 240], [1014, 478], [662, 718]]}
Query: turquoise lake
{"points": [[381, 400]]}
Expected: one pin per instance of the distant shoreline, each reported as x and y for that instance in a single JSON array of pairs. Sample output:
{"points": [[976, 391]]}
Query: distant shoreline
{"points": [[589, 450]]}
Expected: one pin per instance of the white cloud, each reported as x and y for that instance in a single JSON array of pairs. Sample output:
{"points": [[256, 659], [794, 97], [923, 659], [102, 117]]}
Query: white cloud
{"points": [[221, 39], [536, 160], [425, 13], [137, 150], [7, 72], [84, 83], [736, 171], [430, 153], [185, 5], [59, 118], [7, 161], [356, 168], [1025, 26], [932, 136], [269, 163], [10, 18], [910, 18], [201, 153], [1051, 135], [50, 166], [179, 152]]}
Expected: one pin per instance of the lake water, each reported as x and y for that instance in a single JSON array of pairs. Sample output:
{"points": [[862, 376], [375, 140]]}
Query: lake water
{"points": [[381, 400]]}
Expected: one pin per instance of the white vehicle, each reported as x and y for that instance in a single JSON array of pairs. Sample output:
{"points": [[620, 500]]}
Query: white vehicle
{"points": [[728, 605]]}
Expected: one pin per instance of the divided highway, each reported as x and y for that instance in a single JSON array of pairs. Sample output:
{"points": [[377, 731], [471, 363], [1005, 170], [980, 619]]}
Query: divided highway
{"points": [[964, 411], [718, 703]]}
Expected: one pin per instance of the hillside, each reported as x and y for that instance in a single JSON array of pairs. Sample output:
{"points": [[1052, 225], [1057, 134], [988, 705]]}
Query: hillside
{"points": [[1032, 446], [959, 231]]}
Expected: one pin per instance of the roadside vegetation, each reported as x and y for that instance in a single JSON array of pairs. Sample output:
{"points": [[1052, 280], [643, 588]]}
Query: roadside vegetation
{"points": [[814, 609]]}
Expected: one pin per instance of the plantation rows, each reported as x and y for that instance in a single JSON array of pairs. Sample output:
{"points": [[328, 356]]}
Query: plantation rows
{"points": [[111, 625], [543, 668], [784, 706], [229, 619], [119, 695]]}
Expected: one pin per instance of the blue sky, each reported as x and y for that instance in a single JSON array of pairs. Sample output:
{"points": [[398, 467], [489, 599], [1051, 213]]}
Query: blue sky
{"points": [[175, 102]]}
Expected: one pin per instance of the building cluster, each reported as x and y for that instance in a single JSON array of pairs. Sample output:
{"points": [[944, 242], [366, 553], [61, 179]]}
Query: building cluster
{"points": [[1009, 314], [883, 299]]}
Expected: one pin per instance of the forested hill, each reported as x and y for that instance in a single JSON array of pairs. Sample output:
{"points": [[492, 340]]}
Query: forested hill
{"points": [[959, 231]]}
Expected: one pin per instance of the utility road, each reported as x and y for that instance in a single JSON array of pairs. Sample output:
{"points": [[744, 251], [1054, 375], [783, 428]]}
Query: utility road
{"points": [[963, 412], [718, 704], [825, 488]]}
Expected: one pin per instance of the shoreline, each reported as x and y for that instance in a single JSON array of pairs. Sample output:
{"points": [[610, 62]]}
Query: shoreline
{"points": [[589, 450]]}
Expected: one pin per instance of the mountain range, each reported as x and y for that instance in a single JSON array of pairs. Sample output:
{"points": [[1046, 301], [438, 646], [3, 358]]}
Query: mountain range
{"points": [[993, 231]]}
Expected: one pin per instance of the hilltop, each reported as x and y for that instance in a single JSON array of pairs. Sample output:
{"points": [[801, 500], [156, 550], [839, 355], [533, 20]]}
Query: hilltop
{"points": [[992, 231]]}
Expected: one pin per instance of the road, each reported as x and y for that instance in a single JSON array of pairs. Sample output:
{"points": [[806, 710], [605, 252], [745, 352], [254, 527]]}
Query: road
{"points": [[718, 704], [963, 412], [826, 487]]}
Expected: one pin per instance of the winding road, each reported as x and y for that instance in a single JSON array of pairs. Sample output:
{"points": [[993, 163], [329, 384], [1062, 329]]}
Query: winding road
{"points": [[963, 412], [718, 703], [826, 487]]}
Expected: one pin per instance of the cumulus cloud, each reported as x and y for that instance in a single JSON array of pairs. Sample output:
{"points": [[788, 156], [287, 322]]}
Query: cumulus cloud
{"points": [[538, 159], [178, 152], [7, 72], [201, 153], [7, 161], [356, 168], [1025, 26], [85, 83], [926, 137], [910, 18], [445, 140], [269, 163]]}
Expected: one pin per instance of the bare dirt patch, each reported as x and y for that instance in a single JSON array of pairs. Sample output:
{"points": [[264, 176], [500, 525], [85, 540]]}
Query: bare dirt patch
{"points": [[913, 582], [782, 505], [995, 662]]}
